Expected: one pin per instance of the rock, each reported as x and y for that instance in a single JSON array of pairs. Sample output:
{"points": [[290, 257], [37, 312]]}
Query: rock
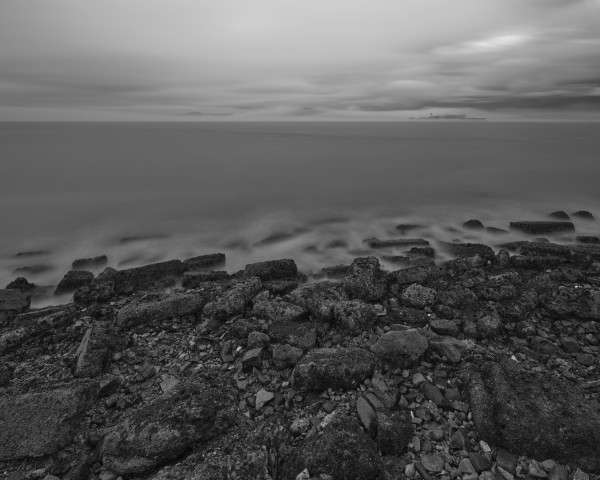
{"points": [[278, 310], [433, 393], [396, 242], [394, 432], [272, 270], [427, 252], [583, 214], [93, 262], [468, 250], [570, 345], [480, 462], [204, 262], [401, 348], [73, 280], [571, 301], [298, 334], [258, 339], [542, 227], [337, 368], [12, 302], [580, 475], [21, 284], [367, 416], [193, 413], [465, 466], [417, 296], [285, 355], [460, 441], [433, 463], [473, 224], [336, 271], [233, 301], [365, 280], [252, 359], [194, 279], [534, 470], [585, 359], [496, 231], [524, 410], [560, 215], [42, 423], [109, 386], [408, 316], [444, 327], [341, 450], [319, 298], [162, 307], [168, 383], [417, 274], [94, 351], [507, 461], [132, 279], [262, 398], [559, 472], [489, 325], [355, 315]]}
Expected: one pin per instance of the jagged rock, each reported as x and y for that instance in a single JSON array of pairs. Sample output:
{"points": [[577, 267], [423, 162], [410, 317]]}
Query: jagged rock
{"points": [[298, 334], [341, 450], [408, 316], [525, 411], [418, 296], [319, 298], [132, 279], [21, 284], [285, 355], [93, 262], [457, 297], [473, 224], [203, 262], [278, 310], [196, 411], [195, 279], [272, 270], [401, 348], [337, 368], [354, 315], [234, 300], [94, 352], [73, 280], [542, 227], [252, 358], [161, 308], [365, 280], [394, 431], [583, 214], [258, 339], [42, 423]]}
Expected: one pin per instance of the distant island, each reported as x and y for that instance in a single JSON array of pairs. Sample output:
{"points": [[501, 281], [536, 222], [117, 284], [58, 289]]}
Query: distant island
{"points": [[460, 116]]}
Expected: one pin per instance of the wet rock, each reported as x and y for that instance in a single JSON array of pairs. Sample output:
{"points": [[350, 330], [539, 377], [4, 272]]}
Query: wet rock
{"points": [[542, 227], [367, 416], [285, 355], [444, 327], [560, 215], [427, 252], [401, 348], [73, 280], [33, 269], [196, 411], [161, 307], [278, 310], [396, 242], [272, 269], [337, 368], [583, 214], [319, 298], [92, 262], [337, 271], [523, 411], [394, 432], [42, 423], [407, 227], [496, 231], [588, 239], [204, 262], [234, 301], [365, 280], [469, 250], [418, 296], [21, 284], [355, 315], [473, 224], [341, 450]]}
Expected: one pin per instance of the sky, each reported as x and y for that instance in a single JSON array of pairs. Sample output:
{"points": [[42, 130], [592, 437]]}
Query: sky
{"points": [[299, 60]]}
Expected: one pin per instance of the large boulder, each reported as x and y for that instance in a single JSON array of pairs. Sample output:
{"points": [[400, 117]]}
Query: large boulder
{"points": [[131, 279], [196, 411], [272, 269], [73, 280], [366, 280], [355, 315], [319, 298], [418, 296], [160, 307], [42, 423], [337, 368], [234, 300], [573, 301], [204, 262], [400, 347], [539, 415], [278, 310], [12, 302], [341, 450]]}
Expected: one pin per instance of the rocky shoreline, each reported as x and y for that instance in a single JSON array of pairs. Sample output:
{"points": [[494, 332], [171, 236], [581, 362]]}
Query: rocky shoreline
{"points": [[484, 367]]}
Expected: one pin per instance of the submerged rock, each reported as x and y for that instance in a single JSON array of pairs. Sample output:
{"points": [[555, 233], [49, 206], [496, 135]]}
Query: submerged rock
{"points": [[542, 227], [92, 262], [74, 280], [583, 214], [203, 262]]}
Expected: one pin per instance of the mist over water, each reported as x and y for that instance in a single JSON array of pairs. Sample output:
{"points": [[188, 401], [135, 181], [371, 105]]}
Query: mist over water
{"points": [[313, 191]]}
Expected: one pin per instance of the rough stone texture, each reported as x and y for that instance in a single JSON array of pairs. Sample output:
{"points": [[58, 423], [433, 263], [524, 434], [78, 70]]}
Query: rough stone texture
{"points": [[21, 284], [93, 262], [448, 347], [42, 423], [542, 227], [444, 327], [73, 280], [278, 310], [299, 334], [367, 416], [366, 280], [355, 315], [12, 302], [418, 296], [285, 355], [203, 262], [402, 348], [394, 432], [337, 368], [573, 301], [319, 298], [94, 351], [469, 250], [132, 279], [234, 300], [272, 269], [162, 307], [341, 450], [417, 274], [539, 415], [196, 411]]}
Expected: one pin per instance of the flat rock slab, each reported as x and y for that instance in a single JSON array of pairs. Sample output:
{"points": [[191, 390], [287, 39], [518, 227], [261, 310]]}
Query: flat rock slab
{"points": [[42, 423], [541, 416], [164, 307], [272, 269], [542, 227], [337, 368], [194, 412]]}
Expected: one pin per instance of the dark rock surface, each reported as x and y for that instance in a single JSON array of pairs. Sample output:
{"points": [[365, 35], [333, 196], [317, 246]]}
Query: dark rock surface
{"points": [[542, 227], [74, 280], [92, 262], [365, 280], [272, 270], [203, 262]]}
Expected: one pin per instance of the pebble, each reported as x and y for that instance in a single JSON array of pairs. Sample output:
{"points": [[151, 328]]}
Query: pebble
{"points": [[262, 397]]}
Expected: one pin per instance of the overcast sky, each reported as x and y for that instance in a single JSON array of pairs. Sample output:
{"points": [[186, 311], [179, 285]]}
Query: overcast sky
{"points": [[298, 59]]}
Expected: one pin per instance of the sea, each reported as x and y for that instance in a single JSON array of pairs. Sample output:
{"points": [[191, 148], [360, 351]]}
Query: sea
{"points": [[311, 191]]}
